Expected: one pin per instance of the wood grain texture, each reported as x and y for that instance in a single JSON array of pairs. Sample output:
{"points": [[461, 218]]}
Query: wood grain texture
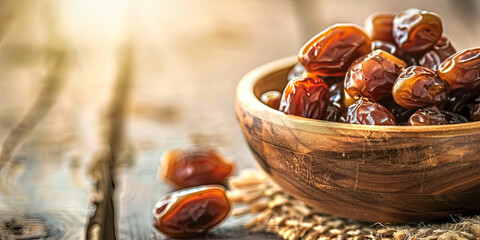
{"points": [[369, 173]]}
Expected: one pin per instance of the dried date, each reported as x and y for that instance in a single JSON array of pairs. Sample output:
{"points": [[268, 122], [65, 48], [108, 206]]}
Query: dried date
{"points": [[192, 211], [462, 70], [441, 51], [434, 116], [379, 27], [367, 112], [372, 76], [194, 167], [418, 87], [416, 30], [332, 51], [307, 96]]}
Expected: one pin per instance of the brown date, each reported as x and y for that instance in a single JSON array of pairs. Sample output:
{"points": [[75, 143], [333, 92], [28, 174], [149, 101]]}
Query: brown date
{"points": [[434, 116], [194, 167], [307, 96], [379, 27], [332, 51], [418, 87], [372, 76], [441, 50], [191, 211], [444, 47], [416, 30], [431, 60], [462, 70], [271, 98], [296, 72], [367, 112]]}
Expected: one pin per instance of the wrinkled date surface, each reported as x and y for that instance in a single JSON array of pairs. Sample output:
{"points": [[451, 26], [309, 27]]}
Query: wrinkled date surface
{"points": [[271, 99], [306, 96], [188, 168], [416, 30], [441, 51], [379, 27], [367, 112], [462, 70], [434, 116], [189, 212], [444, 47], [419, 87], [331, 52], [372, 76]]}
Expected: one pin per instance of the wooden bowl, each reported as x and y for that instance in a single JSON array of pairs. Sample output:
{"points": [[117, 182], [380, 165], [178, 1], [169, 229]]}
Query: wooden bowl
{"points": [[392, 174]]}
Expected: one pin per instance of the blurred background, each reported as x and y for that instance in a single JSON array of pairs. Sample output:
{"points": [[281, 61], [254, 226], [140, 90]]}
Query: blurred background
{"points": [[60, 61]]}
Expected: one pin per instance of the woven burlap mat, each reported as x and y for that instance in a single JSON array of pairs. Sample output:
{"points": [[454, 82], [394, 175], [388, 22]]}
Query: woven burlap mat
{"points": [[277, 212]]}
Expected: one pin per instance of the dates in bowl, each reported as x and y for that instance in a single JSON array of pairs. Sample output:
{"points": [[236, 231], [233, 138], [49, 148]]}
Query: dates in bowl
{"points": [[399, 63], [390, 138]]}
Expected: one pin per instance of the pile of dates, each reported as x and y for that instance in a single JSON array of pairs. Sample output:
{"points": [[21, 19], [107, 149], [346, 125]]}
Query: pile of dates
{"points": [[200, 202], [400, 69]]}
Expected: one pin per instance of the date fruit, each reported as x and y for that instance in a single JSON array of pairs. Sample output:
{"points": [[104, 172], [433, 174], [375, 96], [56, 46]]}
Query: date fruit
{"points": [[307, 96], [331, 52], [379, 27], [271, 98], [194, 167], [418, 87], [372, 76], [192, 211], [441, 51], [434, 116], [462, 70], [367, 112], [416, 30]]}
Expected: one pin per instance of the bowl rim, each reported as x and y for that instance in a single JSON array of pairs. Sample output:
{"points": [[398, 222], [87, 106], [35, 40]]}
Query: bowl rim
{"points": [[245, 96]]}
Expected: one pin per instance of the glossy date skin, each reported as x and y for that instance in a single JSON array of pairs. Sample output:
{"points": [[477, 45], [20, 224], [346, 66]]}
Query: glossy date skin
{"points": [[194, 167], [372, 76], [192, 211], [462, 70], [271, 99], [379, 27], [307, 96], [434, 116], [368, 112], [441, 51], [416, 31], [332, 51], [418, 87]]}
